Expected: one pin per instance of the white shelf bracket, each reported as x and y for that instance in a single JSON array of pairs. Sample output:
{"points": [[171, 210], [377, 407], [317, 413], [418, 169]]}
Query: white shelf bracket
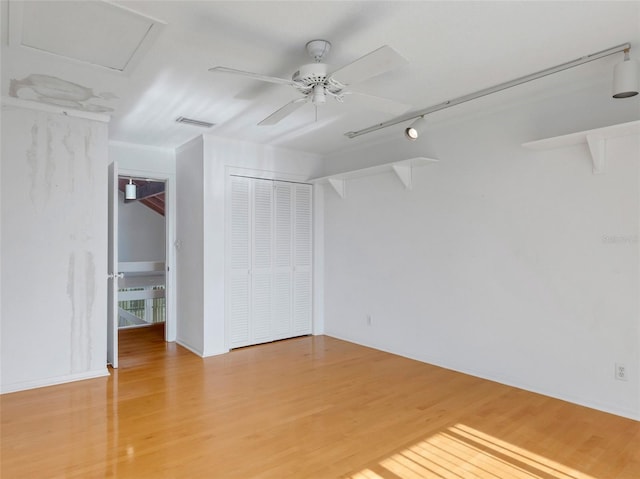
{"points": [[403, 169], [339, 185], [598, 147], [404, 173], [595, 139]]}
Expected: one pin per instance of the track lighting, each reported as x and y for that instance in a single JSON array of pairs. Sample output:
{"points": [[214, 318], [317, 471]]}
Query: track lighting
{"points": [[625, 77], [413, 131], [625, 81], [130, 190]]}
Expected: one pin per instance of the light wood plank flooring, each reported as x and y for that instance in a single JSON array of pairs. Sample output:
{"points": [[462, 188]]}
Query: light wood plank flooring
{"points": [[312, 407]]}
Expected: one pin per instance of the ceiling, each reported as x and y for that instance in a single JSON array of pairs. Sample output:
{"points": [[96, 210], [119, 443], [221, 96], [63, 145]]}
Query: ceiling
{"points": [[155, 65]]}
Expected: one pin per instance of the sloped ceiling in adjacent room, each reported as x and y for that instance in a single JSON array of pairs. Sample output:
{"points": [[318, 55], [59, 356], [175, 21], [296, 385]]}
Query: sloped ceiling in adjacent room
{"points": [[149, 193], [146, 63]]}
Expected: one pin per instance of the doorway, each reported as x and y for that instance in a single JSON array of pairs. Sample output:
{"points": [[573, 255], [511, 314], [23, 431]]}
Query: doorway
{"points": [[141, 221], [141, 252]]}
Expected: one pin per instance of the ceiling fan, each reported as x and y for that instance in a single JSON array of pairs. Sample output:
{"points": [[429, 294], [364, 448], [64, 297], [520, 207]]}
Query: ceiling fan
{"points": [[315, 81]]}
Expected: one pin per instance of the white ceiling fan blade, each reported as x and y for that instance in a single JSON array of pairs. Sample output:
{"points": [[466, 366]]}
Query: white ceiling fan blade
{"points": [[378, 61], [376, 103], [255, 76], [283, 112]]}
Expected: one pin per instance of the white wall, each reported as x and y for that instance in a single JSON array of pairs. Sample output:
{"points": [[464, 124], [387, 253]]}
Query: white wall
{"points": [[202, 167], [143, 158], [509, 264], [141, 232], [53, 248], [189, 245]]}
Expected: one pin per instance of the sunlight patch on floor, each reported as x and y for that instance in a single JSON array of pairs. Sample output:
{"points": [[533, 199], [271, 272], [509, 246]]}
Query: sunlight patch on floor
{"points": [[462, 452]]}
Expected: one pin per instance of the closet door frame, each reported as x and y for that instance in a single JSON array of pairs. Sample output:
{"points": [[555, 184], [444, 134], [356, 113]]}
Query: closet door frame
{"points": [[231, 172]]}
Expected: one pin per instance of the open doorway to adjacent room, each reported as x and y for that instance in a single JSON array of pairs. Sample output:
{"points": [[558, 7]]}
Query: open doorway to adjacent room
{"points": [[141, 253]]}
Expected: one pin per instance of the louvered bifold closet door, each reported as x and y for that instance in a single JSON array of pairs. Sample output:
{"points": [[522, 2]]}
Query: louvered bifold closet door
{"points": [[261, 271], [303, 259], [269, 293], [239, 297], [283, 260]]}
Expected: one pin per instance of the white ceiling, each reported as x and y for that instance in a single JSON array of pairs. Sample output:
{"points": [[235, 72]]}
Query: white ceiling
{"points": [[453, 48]]}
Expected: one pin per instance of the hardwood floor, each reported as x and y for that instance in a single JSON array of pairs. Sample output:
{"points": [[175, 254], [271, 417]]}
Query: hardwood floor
{"points": [[312, 407]]}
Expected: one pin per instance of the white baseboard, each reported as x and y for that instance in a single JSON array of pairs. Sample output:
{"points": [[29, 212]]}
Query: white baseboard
{"points": [[41, 383], [208, 354], [195, 351]]}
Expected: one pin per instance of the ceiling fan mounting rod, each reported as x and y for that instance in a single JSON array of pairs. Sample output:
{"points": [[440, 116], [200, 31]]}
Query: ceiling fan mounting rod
{"points": [[487, 91]]}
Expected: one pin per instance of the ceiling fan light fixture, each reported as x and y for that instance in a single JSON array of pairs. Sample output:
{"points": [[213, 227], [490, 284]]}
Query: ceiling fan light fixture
{"points": [[625, 78], [130, 190], [319, 95], [412, 132]]}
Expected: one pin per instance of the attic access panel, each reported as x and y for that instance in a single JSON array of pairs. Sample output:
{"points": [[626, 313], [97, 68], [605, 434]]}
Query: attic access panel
{"points": [[97, 32]]}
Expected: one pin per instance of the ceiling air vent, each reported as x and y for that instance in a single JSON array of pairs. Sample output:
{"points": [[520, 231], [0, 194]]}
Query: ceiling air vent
{"points": [[191, 121]]}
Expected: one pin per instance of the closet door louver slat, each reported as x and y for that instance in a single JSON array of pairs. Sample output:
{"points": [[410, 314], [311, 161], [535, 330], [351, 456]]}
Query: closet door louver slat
{"points": [[262, 259], [302, 282], [283, 264], [239, 299]]}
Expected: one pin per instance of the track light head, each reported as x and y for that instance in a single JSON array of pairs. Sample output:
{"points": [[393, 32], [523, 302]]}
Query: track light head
{"points": [[412, 132], [625, 78]]}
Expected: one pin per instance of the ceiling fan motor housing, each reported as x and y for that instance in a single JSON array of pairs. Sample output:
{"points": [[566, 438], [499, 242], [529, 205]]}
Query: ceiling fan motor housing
{"points": [[311, 74]]}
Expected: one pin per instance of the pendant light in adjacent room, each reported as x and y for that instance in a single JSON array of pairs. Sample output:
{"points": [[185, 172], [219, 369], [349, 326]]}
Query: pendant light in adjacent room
{"points": [[130, 190]]}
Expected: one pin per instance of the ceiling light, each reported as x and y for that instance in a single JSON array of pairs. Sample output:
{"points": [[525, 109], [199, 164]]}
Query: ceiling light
{"points": [[625, 77], [130, 190], [413, 131]]}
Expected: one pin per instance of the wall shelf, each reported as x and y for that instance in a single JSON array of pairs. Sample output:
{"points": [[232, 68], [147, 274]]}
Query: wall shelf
{"points": [[596, 140], [403, 170]]}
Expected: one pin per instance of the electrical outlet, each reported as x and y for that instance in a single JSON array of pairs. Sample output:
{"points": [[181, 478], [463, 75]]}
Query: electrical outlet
{"points": [[369, 320], [621, 372]]}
